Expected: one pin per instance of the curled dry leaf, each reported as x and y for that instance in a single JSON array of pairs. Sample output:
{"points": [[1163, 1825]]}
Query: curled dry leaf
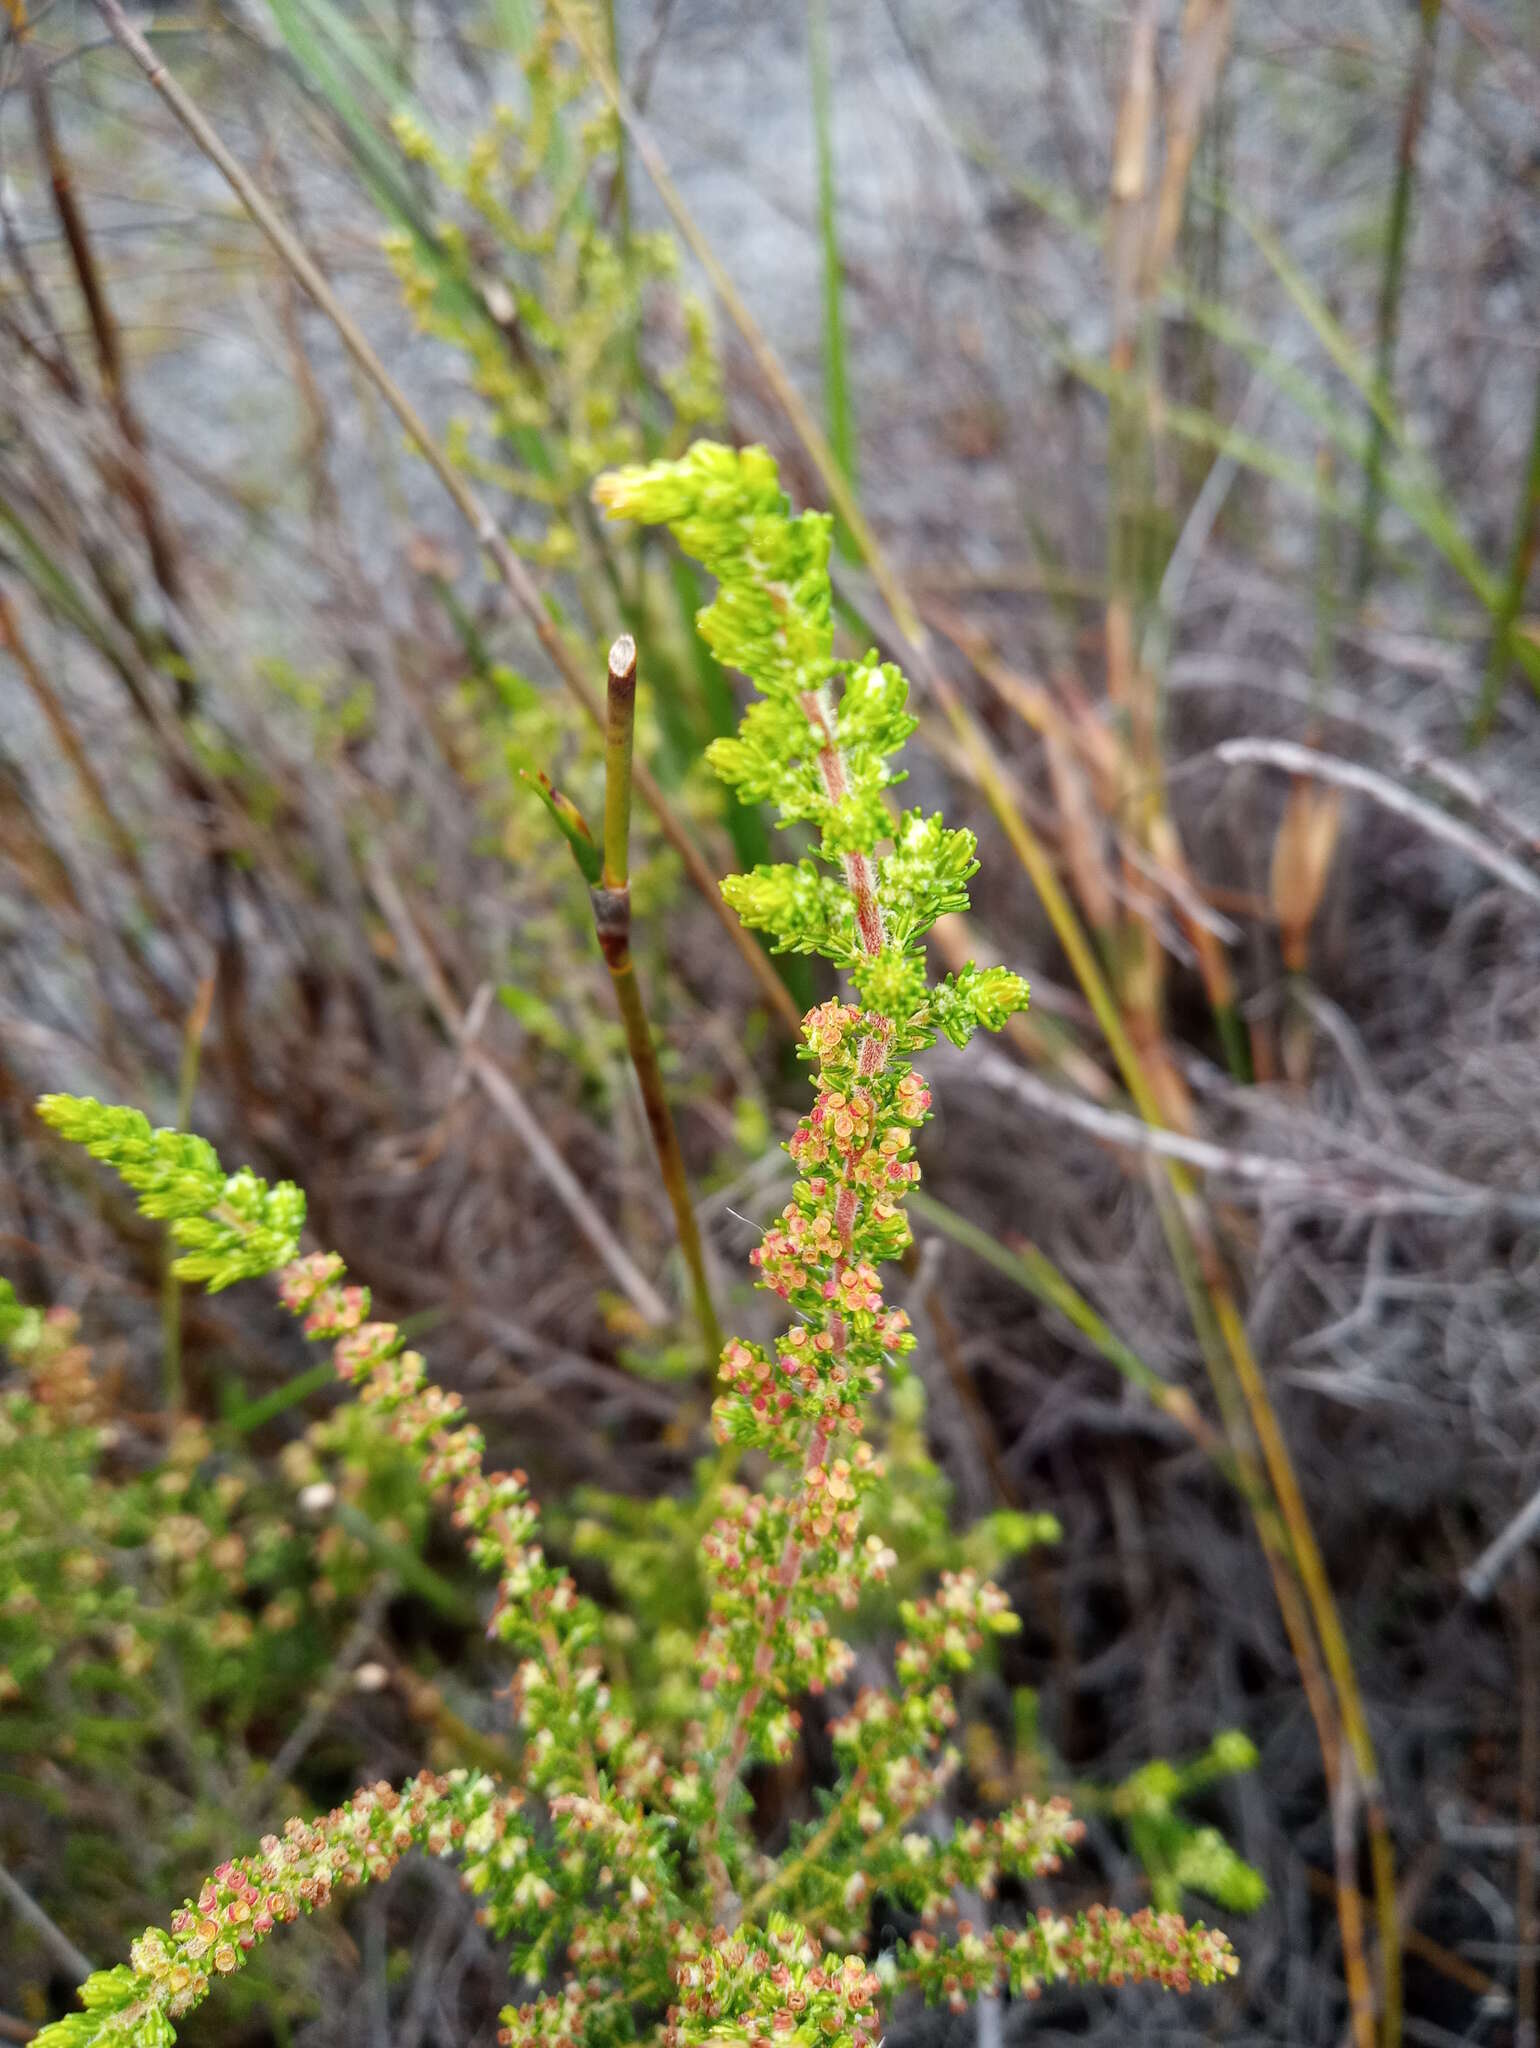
{"points": [[1302, 855]]}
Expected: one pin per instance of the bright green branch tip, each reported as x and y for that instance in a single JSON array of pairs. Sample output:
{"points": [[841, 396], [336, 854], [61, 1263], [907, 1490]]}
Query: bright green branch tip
{"points": [[824, 764], [230, 1226]]}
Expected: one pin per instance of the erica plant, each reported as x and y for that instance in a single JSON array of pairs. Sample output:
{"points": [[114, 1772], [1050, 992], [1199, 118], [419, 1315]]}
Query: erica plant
{"points": [[622, 1868]]}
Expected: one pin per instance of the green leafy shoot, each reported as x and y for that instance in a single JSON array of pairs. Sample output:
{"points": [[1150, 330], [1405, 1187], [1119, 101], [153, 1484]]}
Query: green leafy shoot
{"points": [[230, 1226]]}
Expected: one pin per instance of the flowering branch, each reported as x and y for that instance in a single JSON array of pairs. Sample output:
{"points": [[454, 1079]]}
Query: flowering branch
{"points": [[172, 1970], [776, 1559], [630, 1871]]}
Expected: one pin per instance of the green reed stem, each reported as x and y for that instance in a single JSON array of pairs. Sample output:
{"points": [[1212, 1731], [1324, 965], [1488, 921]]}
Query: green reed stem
{"points": [[619, 740], [1521, 559], [1392, 277], [838, 410]]}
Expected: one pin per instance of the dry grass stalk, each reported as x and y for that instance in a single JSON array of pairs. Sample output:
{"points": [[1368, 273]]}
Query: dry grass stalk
{"points": [[506, 1099], [1301, 865]]}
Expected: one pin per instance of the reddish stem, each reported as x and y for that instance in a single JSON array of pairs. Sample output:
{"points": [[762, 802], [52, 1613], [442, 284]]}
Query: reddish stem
{"points": [[861, 880]]}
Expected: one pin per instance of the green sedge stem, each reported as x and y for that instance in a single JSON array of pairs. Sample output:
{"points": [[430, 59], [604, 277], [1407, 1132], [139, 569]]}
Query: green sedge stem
{"points": [[1388, 319], [612, 922]]}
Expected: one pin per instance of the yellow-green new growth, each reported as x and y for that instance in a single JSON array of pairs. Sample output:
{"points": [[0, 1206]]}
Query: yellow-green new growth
{"points": [[779, 1563], [230, 1226], [824, 760], [552, 298]]}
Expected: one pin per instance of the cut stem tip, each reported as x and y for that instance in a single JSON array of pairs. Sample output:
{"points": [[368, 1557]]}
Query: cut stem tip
{"points": [[623, 661]]}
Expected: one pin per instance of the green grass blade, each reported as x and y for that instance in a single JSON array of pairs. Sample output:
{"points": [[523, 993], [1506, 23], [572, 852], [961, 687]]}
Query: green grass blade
{"points": [[1322, 322], [1036, 1273], [52, 583], [318, 71], [1417, 495], [359, 51], [1388, 314], [1506, 646], [839, 412], [323, 45]]}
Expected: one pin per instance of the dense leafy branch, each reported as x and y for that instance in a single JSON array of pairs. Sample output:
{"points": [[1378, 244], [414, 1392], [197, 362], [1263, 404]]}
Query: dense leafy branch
{"points": [[624, 1866]]}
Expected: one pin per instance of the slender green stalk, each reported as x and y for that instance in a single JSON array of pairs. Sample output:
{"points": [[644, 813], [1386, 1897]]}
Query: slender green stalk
{"points": [[608, 874], [1314, 311], [1521, 559], [619, 742], [1392, 277], [612, 922], [254, 1414], [665, 1139], [838, 410], [621, 188], [414, 1572]]}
